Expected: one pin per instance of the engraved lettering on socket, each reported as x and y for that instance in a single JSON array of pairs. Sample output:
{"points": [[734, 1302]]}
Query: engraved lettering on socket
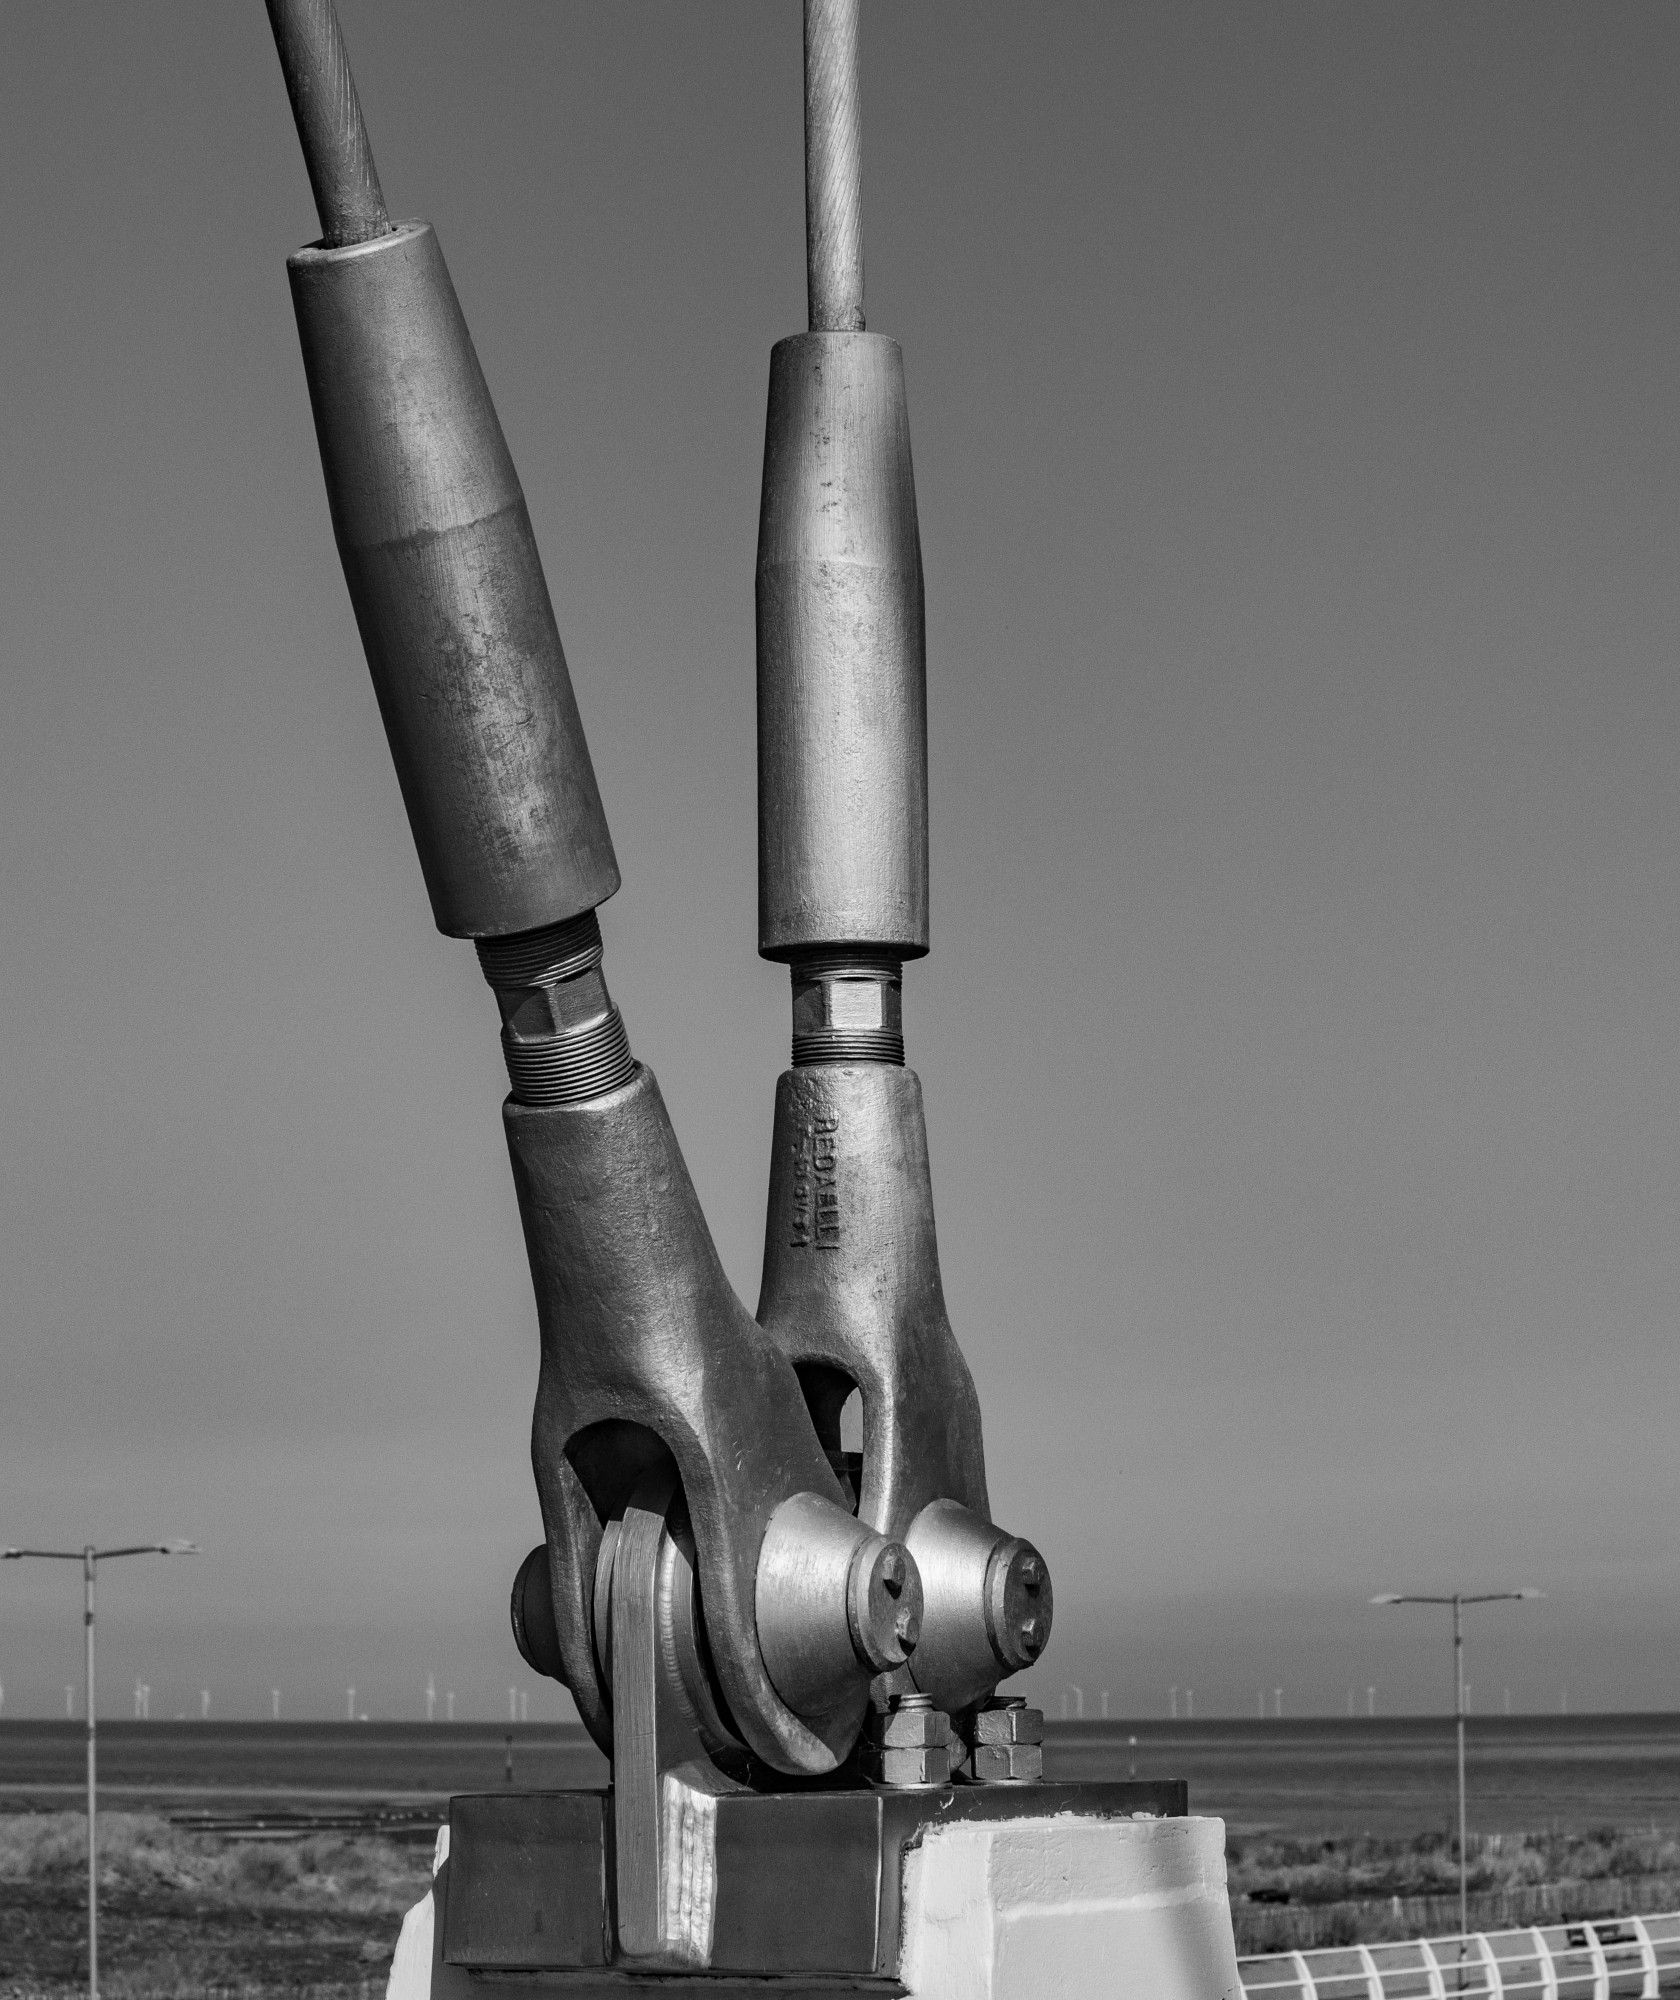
{"points": [[815, 1221]]}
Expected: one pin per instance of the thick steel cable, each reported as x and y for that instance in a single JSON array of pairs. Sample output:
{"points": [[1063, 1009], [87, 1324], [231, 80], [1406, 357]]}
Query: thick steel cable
{"points": [[833, 166], [329, 121]]}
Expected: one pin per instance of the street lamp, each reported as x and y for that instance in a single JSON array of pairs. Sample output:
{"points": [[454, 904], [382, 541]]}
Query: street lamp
{"points": [[90, 1558], [1458, 1600]]}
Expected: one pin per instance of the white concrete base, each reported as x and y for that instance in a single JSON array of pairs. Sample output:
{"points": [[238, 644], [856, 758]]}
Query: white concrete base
{"points": [[417, 1968], [1078, 1909], [1060, 1908]]}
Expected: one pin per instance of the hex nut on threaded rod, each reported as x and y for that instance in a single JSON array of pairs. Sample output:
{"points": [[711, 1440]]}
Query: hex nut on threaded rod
{"points": [[562, 1036], [911, 1747], [848, 1007], [1005, 1740]]}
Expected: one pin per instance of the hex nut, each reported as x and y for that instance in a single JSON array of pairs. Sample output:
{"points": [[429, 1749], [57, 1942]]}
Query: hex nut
{"points": [[1015, 1724], [559, 1009], [1006, 1763], [930, 1765], [914, 1729]]}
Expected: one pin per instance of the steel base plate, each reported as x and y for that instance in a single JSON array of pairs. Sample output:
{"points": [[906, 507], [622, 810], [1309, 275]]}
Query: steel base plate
{"points": [[805, 1884]]}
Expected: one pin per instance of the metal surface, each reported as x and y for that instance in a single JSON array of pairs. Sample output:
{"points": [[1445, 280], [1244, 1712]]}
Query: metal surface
{"points": [[656, 1727], [986, 1604], [336, 152], [833, 166], [88, 1563], [797, 1882], [704, 1588], [562, 1037], [911, 1745], [646, 1352], [847, 1008], [852, 1291], [836, 1605], [448, 591], [531, 1613], [842, 696], [528, 1880]]}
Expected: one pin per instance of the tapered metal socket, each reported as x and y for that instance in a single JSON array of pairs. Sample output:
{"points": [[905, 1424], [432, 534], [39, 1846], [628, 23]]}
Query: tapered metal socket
{"points": [[448, 591], [842, 677]]}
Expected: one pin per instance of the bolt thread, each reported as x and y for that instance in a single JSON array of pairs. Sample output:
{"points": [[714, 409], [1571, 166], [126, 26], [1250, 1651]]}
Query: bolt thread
{"points": [[567, 1069], [542, 957], [849, 1045], [845, 962]]}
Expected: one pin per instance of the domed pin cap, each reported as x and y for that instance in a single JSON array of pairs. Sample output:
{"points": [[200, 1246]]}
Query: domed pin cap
{"points": [[885, 1603], [1019, 1603]]}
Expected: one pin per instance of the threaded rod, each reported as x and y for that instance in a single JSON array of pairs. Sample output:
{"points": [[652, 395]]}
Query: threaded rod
{"points": [[833, 167], [329, 121]]}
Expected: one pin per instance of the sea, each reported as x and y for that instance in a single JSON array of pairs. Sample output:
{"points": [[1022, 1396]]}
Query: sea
{"points": [[1311, 1779]]}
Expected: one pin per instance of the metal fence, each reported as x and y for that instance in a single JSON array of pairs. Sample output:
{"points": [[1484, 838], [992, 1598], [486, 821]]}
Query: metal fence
{"points": [[1585, 1961]]}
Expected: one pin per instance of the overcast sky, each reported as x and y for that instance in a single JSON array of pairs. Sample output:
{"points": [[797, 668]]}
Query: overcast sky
{"points": [[1292, 390]]}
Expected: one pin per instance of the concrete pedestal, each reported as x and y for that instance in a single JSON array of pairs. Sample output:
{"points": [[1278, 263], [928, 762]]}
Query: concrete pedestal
{"points": [[1077, 1909], [1054, 1908]]}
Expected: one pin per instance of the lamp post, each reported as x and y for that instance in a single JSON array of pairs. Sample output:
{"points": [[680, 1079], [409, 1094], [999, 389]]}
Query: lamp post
{"points": [[1458, 1600], [90, 1558]]}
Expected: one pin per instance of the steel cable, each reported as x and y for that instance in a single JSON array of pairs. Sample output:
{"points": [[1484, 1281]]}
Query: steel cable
{"points": [[833, 167], [329, 121]]}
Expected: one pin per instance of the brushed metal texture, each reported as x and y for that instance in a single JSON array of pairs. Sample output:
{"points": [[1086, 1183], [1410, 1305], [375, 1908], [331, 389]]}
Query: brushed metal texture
{"points": [[842, 680], [833, 165], [336, 153], [448, 591]]}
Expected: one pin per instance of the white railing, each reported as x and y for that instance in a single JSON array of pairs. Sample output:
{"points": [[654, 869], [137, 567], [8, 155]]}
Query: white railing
{"points": [[1615, 1956]]}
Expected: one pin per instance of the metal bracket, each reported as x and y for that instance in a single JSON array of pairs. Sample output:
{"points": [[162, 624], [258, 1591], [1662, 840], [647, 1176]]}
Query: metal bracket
{"points": [[667, 1727]]}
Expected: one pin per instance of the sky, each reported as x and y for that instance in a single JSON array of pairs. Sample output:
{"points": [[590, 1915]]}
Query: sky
{"points": [[1297, 446]]}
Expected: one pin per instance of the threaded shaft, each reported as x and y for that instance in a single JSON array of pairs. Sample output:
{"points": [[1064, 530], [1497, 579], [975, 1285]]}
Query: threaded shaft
{"points": [[570, 1069], [542, 957], [562, 1037], [847, 1008]]}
